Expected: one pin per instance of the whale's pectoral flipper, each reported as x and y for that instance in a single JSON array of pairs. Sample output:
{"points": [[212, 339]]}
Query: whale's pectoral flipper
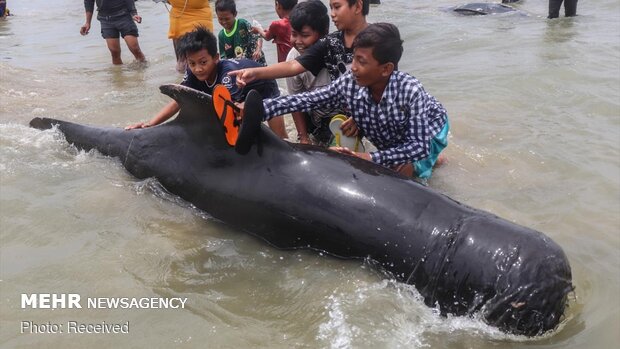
{"points": [[254, 113]]}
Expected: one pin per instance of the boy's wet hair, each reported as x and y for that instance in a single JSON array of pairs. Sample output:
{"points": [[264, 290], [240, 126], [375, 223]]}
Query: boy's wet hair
{"points": [[196, 40], [226, 6], [384, 39], [365, 6], [287, 4], [312, 13]]}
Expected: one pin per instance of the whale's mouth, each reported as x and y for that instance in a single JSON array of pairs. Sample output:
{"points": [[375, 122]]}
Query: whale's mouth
{"points": [[531, 310]]}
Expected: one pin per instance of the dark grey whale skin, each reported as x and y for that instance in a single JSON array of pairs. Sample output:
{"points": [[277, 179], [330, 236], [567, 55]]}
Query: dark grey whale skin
{"points": [[460, 259], [485, 8]]}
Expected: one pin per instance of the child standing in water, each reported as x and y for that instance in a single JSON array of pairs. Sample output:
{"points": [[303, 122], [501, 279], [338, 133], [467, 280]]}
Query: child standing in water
{"points": [[4, 11], [236, 39], [280, 30], [570, 8], [117, 19]]}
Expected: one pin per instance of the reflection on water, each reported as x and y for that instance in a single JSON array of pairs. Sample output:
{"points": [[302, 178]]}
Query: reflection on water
{"points": [[535, 138], [560, 30]]}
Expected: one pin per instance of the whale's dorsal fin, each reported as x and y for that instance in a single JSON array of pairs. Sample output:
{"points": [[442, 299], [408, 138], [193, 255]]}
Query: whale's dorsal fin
{"points": [[197, 110]]}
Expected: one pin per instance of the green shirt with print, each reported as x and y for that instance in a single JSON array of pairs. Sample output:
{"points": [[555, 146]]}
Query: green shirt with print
{"points": [[239, 42]]}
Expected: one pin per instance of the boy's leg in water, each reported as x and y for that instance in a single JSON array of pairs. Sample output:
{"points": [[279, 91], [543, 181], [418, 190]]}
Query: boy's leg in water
{"points": [[134, 47], [570, 8], [114, 45], [554, 8], [276, 124]]}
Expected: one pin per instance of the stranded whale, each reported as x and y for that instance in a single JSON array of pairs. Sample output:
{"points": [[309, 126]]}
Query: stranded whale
{"points": [[484, 8], [460, 259]]}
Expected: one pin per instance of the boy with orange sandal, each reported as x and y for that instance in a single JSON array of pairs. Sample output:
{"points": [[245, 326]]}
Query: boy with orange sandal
{"points": [[206, 70]]}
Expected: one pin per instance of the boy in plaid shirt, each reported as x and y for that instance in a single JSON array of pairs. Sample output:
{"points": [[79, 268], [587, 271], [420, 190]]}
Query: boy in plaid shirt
{"points": [[408, 126]]}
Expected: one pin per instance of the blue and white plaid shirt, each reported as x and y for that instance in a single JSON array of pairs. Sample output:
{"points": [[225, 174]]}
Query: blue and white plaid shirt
{"points": [[401, 125]]}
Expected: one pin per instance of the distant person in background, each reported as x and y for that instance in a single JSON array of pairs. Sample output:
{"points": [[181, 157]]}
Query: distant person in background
{"points": [[4, 11], [185, 16], [570, 8], [117, 18], [236, 39], [280, 30]]}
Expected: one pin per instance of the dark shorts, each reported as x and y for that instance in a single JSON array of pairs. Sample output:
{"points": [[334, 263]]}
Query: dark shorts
{"points": [[113, 26]]}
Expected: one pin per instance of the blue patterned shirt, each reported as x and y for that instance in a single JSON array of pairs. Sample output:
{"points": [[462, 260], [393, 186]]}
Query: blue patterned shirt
{"points": [[400, 126]]}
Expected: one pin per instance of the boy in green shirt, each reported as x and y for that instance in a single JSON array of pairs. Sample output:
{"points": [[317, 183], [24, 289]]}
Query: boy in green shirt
{"points": [[235, 39]]}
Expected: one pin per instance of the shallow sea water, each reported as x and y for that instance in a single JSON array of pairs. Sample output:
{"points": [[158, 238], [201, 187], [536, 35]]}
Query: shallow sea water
{"points": [[535, 115]]}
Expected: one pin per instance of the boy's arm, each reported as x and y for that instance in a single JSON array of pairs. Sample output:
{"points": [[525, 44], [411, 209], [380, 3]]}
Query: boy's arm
{"points": [[89, 7], [164, 114], [410, 150], [220, 41], [266, 34], [259, 49], [415, 144], [131, 6], [326, 97], [255, 41], [259, 31], [274, 71], [347, 151]]}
